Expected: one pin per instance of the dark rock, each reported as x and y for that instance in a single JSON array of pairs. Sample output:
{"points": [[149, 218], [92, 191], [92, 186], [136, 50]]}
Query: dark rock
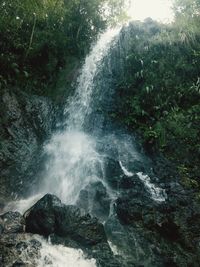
{"points": [[72, 227], [50, 216], [18, 263], [169, 230], [133, 183], [1, 228], [21, 246], [127, 182], [113, 172], [12, 222], [128, 213], [41, 218], [28, 120], [95, 200]]}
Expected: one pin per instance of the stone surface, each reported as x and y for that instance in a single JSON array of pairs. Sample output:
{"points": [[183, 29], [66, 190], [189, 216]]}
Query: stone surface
{"points": [[11, 222], [27, 122], [50, 216], [95, 200], [19, 249]]}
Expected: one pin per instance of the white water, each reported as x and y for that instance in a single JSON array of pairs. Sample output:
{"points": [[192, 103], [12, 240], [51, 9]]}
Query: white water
{"points": [[79, 105], [113, 248], [73, 161], [22, 205], [60, 256], [53, 255], [125, 171], [157, 193]]}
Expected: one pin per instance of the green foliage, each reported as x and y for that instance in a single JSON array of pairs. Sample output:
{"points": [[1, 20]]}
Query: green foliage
{"points": [[161, 94], [37, 37]]}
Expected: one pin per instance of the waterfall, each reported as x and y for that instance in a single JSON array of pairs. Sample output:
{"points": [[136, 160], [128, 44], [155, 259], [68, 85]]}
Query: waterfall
{"points": [[73, 160], [77, 158], [78, 106]]}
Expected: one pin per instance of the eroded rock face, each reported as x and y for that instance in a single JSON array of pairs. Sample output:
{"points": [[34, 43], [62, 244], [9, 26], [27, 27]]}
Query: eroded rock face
{"points": [[26, 122]]}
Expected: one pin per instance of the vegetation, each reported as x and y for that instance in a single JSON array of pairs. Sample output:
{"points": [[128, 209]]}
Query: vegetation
{"points": [[160, 94], [161, 89], [38, 38]]}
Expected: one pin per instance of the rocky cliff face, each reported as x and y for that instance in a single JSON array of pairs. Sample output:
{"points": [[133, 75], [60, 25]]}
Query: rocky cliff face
{"points": [[26, 121]]}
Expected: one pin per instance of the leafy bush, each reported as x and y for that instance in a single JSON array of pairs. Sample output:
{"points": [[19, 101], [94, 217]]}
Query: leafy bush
{"points": [[161, 93]]}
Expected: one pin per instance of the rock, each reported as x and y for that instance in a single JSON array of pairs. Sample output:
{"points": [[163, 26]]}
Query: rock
{"points": [[28, 120], [133, 183], [113, 172], [127, 182], [169, 230], [11, 222], [72, 227], [131, 210], [41, 218], [95, 200], [19, 250], [50, 216], [19, 263]]}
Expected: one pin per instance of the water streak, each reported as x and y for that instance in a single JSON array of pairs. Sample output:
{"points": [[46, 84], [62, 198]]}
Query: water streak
{"points": [[125, 171], [78, 106], [157, 193], [73, 161]]}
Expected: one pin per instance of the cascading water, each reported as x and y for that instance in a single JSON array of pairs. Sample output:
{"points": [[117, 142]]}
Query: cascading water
{"points": [[77, 158], [73, 160], [78, 107]]}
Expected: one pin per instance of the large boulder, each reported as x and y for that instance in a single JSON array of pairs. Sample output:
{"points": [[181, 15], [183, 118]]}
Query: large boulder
{"points": [[50, 216]]}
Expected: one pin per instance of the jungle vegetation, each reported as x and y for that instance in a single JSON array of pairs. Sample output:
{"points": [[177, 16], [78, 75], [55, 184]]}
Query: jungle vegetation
{"points": [[40, 37], [161, 89]]}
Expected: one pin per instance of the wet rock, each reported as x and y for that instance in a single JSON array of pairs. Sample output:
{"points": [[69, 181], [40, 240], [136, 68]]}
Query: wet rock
{"points": [[95, 200], [113, 172], [28, 120], [12, 222], [127, 182], [41, 218], [130, 210], [72, 227], [50, 216], [133, 183], [18, 250], [169, 230], [104, 256], [19, 263]]}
